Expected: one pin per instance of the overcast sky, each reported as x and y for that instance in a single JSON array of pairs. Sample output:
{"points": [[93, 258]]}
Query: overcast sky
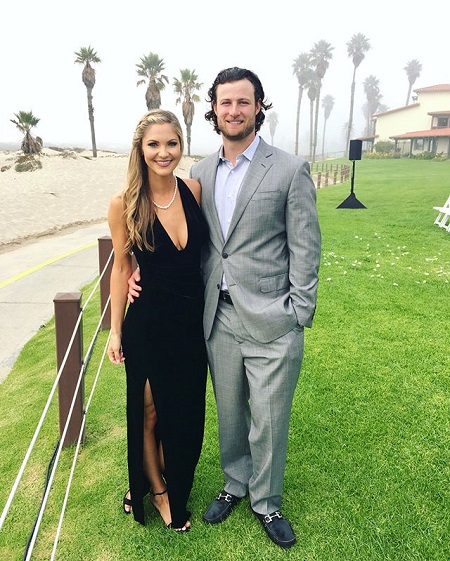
{"points": [[38, 40]]}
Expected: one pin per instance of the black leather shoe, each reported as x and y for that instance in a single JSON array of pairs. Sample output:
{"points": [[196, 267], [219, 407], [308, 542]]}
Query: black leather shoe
{"points": [[220, 508], [277, 528]]}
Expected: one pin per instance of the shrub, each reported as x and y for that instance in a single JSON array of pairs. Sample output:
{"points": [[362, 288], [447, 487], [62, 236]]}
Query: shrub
{"points": [[27, 162], [384, 146]]}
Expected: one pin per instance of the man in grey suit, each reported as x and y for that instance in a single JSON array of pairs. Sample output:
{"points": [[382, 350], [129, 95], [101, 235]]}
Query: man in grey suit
{"points": [[261, 274], [260, 270]]}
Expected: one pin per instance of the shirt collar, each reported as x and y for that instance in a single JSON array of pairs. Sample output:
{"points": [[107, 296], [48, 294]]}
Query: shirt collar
{"points": [[248, 153]]}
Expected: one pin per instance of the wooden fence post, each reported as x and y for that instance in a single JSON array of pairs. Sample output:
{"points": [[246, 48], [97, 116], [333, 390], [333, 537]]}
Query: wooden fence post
{"points": [[104, 251], [67, 310]]}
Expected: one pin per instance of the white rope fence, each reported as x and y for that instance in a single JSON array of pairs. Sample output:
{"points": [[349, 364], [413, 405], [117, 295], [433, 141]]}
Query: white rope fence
{"points": [[60, 446], [15, 486], [75, 457], [38, 428]]}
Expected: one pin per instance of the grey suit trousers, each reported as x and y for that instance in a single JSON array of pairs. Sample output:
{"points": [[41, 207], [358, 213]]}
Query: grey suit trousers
{"points": [[254, 385]]}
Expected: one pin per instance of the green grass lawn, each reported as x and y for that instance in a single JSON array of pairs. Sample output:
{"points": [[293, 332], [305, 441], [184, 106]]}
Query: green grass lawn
{"points": [[368, 474]]}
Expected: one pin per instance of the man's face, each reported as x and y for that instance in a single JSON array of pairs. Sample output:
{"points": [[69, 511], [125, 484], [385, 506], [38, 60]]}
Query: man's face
{"points": [[236, 109]]}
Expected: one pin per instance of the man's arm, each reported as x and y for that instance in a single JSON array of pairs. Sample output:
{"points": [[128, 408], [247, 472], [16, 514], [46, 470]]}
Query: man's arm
{"points": [[304, 242]]}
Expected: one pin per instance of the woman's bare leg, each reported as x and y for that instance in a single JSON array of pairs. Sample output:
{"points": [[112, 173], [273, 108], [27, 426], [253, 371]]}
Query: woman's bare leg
{"points": [[154, 458]]}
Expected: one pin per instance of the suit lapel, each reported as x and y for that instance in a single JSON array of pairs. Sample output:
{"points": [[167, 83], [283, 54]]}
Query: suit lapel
{"points": [[208, 202], [261, 162]]}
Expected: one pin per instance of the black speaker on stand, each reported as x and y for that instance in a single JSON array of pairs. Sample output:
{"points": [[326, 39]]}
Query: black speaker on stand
{"points": [[354, 153]]}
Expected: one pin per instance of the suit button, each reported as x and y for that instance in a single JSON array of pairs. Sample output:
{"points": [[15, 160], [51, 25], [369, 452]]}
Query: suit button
{"points": [[225, 255]]}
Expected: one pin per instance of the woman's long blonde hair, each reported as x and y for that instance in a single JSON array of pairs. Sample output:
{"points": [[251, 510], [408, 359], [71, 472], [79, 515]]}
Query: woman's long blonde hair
{"points": [[138, 208]]}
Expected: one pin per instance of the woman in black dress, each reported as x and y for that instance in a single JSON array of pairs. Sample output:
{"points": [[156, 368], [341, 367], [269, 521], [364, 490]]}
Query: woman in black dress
{"points": [[158, 218]]}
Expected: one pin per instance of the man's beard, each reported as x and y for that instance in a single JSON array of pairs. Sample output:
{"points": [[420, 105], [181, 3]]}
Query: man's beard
{"points": [[240, 135]]}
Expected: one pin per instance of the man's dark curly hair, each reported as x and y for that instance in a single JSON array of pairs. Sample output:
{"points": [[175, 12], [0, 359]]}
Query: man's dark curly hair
{"points": [[233, 75]]}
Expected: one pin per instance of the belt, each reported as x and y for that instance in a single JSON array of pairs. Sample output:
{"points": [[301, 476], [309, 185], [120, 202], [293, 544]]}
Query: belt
{"points": [[225, 296]]}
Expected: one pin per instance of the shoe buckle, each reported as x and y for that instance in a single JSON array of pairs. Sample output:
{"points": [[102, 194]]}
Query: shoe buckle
{"points": [[269, 517], [225, 496]]}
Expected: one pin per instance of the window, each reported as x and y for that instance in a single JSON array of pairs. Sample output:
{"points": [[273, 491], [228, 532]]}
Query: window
{"points": [[441, 122], [418, 144]]}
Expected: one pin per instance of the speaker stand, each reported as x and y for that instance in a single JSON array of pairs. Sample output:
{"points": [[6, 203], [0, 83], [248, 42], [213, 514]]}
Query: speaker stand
{"points": [[351, 201]]}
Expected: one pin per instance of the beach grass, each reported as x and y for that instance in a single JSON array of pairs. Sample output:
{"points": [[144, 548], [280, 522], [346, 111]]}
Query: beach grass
{"points": [[368, 473]]}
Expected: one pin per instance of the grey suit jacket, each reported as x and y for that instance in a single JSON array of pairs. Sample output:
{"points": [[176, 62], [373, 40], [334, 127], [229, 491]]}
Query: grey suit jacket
{"points": [[272, 252]]}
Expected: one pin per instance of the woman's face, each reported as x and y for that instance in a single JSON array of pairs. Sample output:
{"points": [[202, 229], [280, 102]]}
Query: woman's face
{"points": [[161, 149]]}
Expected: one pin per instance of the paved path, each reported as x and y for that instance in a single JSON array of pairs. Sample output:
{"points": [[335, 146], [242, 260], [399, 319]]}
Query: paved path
{"points": [[32, 275]]}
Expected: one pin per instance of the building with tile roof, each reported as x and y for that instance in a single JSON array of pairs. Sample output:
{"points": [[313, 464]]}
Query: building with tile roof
{"points": [[422, 126]]}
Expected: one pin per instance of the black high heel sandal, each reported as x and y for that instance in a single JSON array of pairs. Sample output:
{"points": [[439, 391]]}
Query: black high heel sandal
{"points": [[182, 530], [127, 503]]}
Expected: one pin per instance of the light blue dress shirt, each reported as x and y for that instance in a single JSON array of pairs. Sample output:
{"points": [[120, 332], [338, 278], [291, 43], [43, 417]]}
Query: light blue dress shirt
{"points": [[228, 184]]}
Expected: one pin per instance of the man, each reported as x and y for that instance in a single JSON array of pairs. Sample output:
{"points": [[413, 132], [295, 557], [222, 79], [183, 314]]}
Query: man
{"points": [[261, 274]]}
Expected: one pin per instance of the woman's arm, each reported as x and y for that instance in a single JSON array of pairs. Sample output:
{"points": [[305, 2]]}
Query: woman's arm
{"points": [[121, 271]]}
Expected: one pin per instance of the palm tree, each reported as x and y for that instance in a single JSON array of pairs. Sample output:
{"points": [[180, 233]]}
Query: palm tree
{"points": [[413, 69], [312, 95], [25, 121], [357, 47], [373, 96], [185, 88], [302, 70], [272, 119], [150, 69], [320, 59], [327, 105], [85, 56]]}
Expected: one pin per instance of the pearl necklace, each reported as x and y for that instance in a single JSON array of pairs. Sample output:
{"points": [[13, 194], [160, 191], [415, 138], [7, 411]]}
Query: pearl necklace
{"points": [[165, 207]]}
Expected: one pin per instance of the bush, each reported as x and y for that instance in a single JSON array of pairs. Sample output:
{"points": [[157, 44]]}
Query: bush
{"points": [[384, 146], [423, 156], [27, 162]]}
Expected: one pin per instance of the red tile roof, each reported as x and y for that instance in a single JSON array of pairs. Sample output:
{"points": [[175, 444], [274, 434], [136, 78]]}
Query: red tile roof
{"points": [[432, 133], [437, 88]]}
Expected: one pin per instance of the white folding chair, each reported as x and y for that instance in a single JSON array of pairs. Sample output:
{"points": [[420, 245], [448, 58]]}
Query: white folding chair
{"points": [[443, 215]]}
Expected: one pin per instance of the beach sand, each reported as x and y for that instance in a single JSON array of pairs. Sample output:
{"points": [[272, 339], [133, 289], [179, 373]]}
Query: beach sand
{"points": [[72, 188]]}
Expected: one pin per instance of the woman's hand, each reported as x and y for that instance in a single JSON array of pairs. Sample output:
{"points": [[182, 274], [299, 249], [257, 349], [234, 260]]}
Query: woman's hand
{"points": [[115, 354]]}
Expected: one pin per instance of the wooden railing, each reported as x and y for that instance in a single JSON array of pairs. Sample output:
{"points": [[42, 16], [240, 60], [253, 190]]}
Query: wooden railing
{"points": [[326, 173]]}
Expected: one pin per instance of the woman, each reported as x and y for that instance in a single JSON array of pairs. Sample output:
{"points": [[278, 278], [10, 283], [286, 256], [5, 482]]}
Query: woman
{"points": [[158, 218]]}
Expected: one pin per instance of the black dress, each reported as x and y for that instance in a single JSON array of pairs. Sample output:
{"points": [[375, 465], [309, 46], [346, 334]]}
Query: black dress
{"points": [[162, 341]]}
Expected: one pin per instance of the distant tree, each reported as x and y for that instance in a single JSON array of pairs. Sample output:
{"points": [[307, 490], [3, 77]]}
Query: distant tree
{"points": [[312, 95], [272, 119], [373, 97], [150, 68], [345, 127], [85, 56], [413, 69], [320, 60], [357, 47], [302, 70], [327, 105], [365, 112], [185, 88], [25, 121]]}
